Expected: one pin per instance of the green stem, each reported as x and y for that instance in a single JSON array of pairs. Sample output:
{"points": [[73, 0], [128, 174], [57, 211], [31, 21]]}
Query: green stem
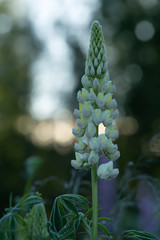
{"points": [[94, 202]]}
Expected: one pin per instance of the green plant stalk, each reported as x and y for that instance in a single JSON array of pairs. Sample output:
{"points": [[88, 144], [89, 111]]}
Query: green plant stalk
{"points": [[94, 180], [94, 202]]}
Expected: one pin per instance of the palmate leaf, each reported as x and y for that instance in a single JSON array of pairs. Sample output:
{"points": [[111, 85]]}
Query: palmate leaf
{"points": [[65, 217], [27, 201], [10, 224], [138, 235]]}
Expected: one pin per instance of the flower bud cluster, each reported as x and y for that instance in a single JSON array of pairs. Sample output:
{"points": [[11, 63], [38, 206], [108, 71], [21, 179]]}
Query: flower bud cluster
{"points": [[96, 105], [37, 223]]}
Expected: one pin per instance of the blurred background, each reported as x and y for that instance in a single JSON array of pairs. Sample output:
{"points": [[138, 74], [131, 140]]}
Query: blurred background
{"points": [[43, 45]]}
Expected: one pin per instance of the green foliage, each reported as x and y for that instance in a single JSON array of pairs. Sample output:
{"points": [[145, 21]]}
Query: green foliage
{"points": [[66, 218], [13, 222], [37, 223], [138, 235]]}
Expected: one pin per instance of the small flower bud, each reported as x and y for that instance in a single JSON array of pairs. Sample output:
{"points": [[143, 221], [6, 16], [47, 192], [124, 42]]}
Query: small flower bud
{"points": [[87, 70], [114, 156], [103, 142], [77, 132], [86, 82], [76, 113], [108, 97], [112, 104], [80, 98], [75, 164], [91, 130], [95, 62], [104, 88], [92, 71], [94, 145], [97, 116], [81, 124], [99, 71], [115, 113], [114, 135], [95, 84]]}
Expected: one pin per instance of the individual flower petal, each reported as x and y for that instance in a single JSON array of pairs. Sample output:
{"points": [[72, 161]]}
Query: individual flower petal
{"points": [[93, 158], [112, 104], [100, 100], [105, 171], [95, 84], [76, 113], [103, 142], [92, 96], [115, 113], [114, 135], [114, 156], [104, 88], [112, 149], [108, 98], [86, 82], [96, 61], [86, 108], [108, 122], [112, 89], [81, 146], [80, 98], [78, 132], [75, 164], [91, 130], [109, 130], [94, 145], [81, 124], [97, 116], [92, 71], [114, 173], [87, 70]]}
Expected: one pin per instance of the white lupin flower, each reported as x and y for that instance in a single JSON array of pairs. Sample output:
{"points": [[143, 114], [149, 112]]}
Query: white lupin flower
{"points": [[96, 105], [105, 171]]}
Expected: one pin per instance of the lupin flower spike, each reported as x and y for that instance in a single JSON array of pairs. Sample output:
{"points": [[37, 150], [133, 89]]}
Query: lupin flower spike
{"points": [[96, 105], [37, 223]]}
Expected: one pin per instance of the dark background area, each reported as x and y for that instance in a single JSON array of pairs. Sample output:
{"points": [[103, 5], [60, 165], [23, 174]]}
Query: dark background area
{"points": [[132, 33]]}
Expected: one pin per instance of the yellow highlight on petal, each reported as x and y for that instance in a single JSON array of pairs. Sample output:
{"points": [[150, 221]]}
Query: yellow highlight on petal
{"points": [[109, 84], [84, 93], [108, 97]]}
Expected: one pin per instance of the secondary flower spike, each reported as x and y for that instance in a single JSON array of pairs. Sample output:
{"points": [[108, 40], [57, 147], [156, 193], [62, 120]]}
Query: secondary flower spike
{"points": [[96, 105]]}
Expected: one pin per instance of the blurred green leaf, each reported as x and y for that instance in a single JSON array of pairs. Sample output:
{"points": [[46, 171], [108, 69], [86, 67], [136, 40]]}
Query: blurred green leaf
{"points": [[104, 229], [65, 217], [138, 235]]}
